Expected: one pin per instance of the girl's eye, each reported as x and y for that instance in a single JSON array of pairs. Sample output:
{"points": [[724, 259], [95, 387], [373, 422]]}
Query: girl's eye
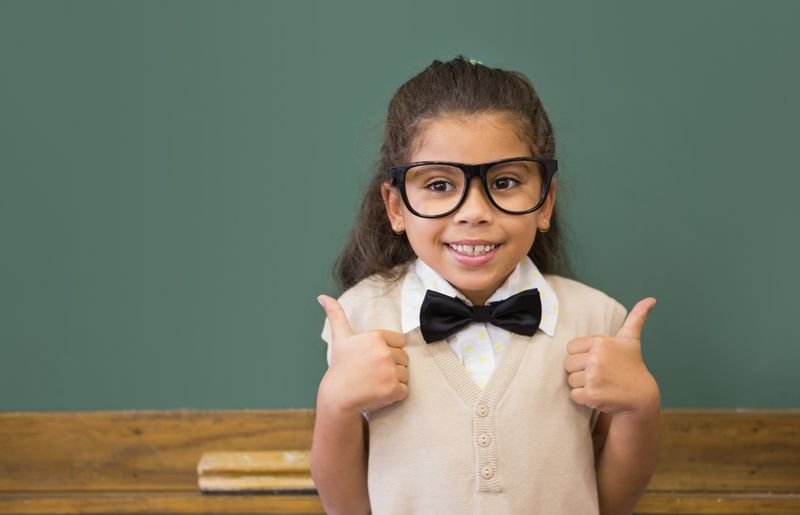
{"points": [[504, 183], [440, 186]]}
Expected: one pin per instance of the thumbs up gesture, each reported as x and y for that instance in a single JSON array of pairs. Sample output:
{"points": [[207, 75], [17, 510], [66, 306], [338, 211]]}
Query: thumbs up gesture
{"points": [[368, 370], [607, 372]]}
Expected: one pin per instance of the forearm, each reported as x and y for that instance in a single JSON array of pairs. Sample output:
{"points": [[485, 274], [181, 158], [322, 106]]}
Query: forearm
{"points": [[339, 459], [627, 460]]}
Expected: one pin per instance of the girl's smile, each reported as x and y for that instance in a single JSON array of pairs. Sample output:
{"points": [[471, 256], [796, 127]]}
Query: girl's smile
{"points": [[478, 246], [473, 252]]}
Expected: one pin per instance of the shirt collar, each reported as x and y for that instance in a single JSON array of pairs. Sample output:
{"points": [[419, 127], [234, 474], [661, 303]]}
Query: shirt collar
{"points": [[421, 277]]}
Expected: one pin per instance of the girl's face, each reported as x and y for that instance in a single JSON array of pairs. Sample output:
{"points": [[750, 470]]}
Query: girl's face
{"points": [[475, 139]]}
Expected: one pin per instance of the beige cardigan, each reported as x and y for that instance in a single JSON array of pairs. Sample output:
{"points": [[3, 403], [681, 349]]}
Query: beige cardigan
{"points": [[519, 446]]}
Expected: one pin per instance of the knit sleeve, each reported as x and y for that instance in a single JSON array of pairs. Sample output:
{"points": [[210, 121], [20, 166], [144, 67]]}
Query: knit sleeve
{"points": [[326, 337], [346, 300], [617, 318]]}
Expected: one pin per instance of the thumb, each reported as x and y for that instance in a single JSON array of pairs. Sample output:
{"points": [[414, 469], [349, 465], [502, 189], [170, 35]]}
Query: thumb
{"points": [[634, 323], [340, 327]]}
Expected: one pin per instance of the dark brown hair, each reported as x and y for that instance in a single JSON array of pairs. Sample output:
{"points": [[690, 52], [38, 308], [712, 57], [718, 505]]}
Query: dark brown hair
{"points": [[460, 88]]}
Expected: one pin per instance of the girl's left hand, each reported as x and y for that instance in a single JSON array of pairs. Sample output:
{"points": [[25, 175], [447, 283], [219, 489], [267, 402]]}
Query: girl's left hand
{"points": [[607, 372]]}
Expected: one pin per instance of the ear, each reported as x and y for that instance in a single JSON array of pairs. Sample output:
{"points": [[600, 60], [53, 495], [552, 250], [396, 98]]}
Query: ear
{"points": [[546, 211], [394, 206]]}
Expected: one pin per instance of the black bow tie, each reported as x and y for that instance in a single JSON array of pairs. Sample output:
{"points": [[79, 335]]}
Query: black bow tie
{"points": [[440, 315]]}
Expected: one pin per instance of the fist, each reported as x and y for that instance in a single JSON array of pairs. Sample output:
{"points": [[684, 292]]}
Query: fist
{"points": [[607, 372], [367, 370]]}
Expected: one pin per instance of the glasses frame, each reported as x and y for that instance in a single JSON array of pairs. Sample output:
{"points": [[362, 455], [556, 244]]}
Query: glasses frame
{"points": [[397, 175]]}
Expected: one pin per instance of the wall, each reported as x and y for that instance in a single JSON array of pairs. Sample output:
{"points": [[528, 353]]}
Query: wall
{"points": [[176, 180]]}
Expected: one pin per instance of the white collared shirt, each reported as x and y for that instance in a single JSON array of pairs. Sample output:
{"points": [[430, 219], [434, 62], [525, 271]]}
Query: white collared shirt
{"points": [[479, 346]]}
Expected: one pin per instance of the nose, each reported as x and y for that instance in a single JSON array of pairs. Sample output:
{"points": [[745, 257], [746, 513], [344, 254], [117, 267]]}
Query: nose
{"points": [[476, 208]]}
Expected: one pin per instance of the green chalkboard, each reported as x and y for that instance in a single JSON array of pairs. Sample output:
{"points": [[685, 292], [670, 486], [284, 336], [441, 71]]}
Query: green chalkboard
{"points": [[177, 178]]}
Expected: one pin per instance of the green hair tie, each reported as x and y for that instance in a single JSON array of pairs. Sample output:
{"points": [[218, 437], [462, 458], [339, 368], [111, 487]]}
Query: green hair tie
{"points": [[475, 61]]}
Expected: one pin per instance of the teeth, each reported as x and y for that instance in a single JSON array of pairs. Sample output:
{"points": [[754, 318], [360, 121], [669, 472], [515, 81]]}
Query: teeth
{"points": [[472, 250]]}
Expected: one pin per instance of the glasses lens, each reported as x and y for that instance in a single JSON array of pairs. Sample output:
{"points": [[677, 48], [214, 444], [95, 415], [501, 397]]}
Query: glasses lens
{"points": [[516, 185], [434, 189]]}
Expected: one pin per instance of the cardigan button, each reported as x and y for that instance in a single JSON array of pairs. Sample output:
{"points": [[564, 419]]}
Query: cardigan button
{"points": [[483, 410], [487, 472], [484, 440]]}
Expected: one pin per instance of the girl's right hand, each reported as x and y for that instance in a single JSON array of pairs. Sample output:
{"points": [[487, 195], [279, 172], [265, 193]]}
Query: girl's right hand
{"points": [[368, 370]]}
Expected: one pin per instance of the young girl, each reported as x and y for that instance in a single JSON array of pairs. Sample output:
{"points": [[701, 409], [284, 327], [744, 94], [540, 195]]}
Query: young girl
{"points": [[466, 375]]}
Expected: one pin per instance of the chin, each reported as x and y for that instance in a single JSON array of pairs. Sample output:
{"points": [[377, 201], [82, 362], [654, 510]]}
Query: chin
{"points": [[470, 287]]}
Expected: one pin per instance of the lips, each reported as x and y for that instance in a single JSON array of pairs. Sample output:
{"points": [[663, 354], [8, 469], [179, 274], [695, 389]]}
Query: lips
{"points": [[474, 254], [472, 250]]}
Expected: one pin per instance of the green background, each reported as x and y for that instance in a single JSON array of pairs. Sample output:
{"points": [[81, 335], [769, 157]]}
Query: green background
{"points": [[177, 178]]}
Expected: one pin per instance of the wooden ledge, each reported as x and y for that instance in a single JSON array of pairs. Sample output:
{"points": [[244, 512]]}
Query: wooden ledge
{"points": [[662, 503], [157, 502], [711, 462], [274, 471]]}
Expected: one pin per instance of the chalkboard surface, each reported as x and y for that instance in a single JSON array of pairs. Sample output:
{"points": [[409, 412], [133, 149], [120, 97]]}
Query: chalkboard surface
{"points": [[177, 178]]}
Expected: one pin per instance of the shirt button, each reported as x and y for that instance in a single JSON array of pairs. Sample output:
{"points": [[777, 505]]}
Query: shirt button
{"points": [[483, 440], [487, 472], [482, 410]]}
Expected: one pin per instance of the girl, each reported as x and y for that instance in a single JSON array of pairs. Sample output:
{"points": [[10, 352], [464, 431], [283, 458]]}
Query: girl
{"points": [[466, 374]]}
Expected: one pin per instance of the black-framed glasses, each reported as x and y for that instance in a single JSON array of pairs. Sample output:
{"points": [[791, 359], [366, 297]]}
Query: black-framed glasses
{"points": [[434, 189]]}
